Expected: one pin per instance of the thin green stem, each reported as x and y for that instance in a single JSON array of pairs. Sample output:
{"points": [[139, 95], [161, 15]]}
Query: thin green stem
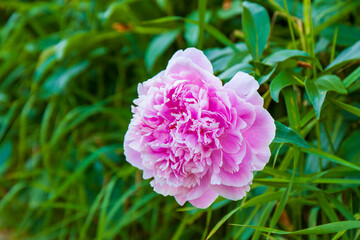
{"points": [[202, 15], [290, 24]]}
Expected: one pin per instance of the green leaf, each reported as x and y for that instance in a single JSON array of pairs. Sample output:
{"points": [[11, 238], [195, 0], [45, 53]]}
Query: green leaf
{"points": [[283, 55], [230, 72], [316, 95], [341, 207], [84, 164], [349, 54], [283, 79], [285, 134], [262, 199], [317, 90], [58, 81], [158, 46], [331, 83], [346, 107], [322, 229], [256, 27], [353, 77], [191, 31], [330, 157]]}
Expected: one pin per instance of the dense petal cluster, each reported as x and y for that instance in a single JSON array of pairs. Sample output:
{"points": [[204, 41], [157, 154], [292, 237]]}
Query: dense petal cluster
{"points": [[195, 137]]}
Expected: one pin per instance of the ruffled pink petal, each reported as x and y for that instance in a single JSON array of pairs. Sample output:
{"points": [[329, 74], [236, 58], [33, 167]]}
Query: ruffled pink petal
{"points": [[199, 190], [232, 193], [262, 132], [196, 56], [205, 200], [246, 87]]}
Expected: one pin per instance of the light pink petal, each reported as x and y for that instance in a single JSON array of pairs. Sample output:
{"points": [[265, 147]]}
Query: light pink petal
{"points": [[232, 193], [199, 190], [256, 159], [196, 56], [164, 188], [180, 199], [184, 68], [245, 112], [245, 87], [262, 132], [132, 156], [148, 173], [205, 200], [236, 179], [261, 158]]}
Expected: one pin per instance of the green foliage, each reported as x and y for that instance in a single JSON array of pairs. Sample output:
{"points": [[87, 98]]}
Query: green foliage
{"points": [[68, 75]]}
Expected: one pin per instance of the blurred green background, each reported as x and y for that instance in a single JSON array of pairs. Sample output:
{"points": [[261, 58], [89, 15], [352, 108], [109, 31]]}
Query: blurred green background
{"points": [[69, 70]]}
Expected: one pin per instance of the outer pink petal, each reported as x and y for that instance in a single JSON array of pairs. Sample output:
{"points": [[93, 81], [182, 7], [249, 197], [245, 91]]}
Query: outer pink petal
{"points": [[262, 132], [245, 87], [205, 200], [180, 199], [196, 56], [232, 193], [199, 190], [132, 156], [236, 179], [193, 72], [164, 188]]}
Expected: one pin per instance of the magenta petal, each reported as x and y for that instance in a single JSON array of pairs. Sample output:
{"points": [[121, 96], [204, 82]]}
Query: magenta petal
{"points": [[230, 144], [232, 193], [205, 200]]}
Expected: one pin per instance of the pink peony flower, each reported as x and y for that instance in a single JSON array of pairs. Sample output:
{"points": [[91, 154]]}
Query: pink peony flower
{"points": [[197, 138]]}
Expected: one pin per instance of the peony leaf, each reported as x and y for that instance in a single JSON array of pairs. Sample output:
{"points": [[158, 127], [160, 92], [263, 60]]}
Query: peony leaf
{"points": [[158, 46], [349, 54], [283, 55], [317, 90], [256, 26], [316, 95], [331, 83], [353, 77], [58, 81], [191, 31], [283, 79], [285, 134]]}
